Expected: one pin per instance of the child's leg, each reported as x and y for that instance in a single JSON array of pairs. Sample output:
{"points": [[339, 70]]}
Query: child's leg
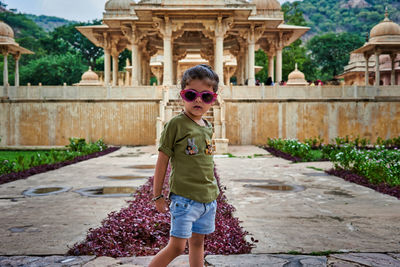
{"points": [[174, 248], [196, 250]]}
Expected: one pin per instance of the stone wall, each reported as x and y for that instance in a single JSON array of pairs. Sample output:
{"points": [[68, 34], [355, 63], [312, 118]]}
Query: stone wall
{"points": [[128, 115], [52, 122], [253, 121]]}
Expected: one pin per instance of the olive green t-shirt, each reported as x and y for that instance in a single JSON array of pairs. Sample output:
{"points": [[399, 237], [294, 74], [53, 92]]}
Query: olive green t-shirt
{"points": [[189, 147]]}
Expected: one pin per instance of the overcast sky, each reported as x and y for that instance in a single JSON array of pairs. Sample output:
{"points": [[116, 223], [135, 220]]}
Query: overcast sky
{"points": [[79, 10]]}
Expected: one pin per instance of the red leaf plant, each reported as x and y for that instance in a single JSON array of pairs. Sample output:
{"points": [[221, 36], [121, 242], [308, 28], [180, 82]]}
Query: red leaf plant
{"points": [[140, 230]]}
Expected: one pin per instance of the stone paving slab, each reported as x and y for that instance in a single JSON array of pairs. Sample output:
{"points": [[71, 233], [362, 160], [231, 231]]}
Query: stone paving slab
{"points": [[368, 259], [49, 225], [244, 260], [329, 214], [45, 261], [256, 260]]}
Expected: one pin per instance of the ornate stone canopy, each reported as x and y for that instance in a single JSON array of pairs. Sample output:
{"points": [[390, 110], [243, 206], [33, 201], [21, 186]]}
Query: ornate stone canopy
{"points": [[210, 27], [8, 46], [384, 40], [7, 41]]}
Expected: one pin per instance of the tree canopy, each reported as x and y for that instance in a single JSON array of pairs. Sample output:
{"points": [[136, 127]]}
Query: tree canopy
{"points": [[331, 51]]}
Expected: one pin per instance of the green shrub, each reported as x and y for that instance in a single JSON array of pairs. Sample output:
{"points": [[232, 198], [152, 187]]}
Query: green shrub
{"points": [[76, 147]]}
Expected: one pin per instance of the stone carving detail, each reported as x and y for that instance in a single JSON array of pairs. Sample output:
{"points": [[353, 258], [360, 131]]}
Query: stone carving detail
{"points": [[179, 53], [167, 28], [219, 27]]}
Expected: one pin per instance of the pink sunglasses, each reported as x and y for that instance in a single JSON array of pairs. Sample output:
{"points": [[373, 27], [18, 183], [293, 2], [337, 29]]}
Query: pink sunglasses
{"points": [[190, 95]]}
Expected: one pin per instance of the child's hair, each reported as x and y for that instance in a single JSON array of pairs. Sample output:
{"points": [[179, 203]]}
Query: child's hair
{"points": [[201, 72]]}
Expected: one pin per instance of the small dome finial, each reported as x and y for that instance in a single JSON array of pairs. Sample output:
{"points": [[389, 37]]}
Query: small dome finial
{"points": [[295, 66], [386, 14], [90, 68]]}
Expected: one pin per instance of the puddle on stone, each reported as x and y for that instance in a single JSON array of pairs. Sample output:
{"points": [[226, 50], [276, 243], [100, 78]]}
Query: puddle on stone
{"points": [[123, 177], [25, 228], [19, 229], [277, 187], [46, 190], [129, 155], [257, 181], [107, 191], [338, 193], [143, 167], [315, 174]]}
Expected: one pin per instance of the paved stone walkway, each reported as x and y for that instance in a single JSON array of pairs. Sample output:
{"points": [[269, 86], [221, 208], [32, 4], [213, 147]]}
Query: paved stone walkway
{"points": [[314, 212], [245, 260]]}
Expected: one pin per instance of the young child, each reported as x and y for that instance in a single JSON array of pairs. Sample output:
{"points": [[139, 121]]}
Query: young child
{"points": [[186, 140]]}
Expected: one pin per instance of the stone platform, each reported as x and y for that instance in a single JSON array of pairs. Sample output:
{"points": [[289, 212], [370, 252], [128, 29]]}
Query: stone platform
{"points": [[312, 213]]}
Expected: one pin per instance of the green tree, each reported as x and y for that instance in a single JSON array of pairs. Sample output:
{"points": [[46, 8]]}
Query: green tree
{"points": [[261, 59], [68, 39], [331, 51], [295, 52], [54, 70], [293, 15], [291, 54]]}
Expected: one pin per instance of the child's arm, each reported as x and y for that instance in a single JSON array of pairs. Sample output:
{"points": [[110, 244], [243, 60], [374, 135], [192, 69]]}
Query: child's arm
{"points": [[159, 176]]}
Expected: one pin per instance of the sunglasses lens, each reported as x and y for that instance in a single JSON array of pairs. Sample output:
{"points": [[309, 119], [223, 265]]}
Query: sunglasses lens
{"points": [[207, 97], [190, 95]]}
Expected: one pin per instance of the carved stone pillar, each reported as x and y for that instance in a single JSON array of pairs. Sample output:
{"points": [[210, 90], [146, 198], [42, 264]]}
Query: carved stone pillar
{"points": [[377, 70], [220, 27], [107, 66], [5, 71], [279, 65], [393, 71], [135, 61], [239, 61], [366, 75], [175, 71], [246, 64], [16, 58], [271, 67], [139, 67], [219, 56], [115, 70], [148, 72], [251, 43], [167, 52]]}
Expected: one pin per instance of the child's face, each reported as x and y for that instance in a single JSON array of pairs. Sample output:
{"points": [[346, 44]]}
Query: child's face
{"points": [[197, 108]]}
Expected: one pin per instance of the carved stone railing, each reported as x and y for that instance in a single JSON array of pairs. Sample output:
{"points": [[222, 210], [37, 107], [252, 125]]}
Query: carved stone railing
{"points": [[310, 92], [81, 92]]}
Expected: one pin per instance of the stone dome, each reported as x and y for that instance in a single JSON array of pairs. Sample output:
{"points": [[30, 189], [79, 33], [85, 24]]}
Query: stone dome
{"points": [[118, 4], [90, 75], [89, 78], [267, 5], [296, 77], [386, 27], [6, 31]]}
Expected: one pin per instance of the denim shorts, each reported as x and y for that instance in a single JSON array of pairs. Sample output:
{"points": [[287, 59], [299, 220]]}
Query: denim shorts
{"points": [[189, 216]]}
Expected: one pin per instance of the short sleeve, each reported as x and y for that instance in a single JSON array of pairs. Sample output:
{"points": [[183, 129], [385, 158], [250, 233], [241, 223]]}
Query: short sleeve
{"points": [[167, 139]]}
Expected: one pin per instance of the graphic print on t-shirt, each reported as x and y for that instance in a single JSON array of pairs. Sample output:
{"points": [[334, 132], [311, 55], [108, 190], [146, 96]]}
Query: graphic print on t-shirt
{"points": [[191, 148], [209, 149]]}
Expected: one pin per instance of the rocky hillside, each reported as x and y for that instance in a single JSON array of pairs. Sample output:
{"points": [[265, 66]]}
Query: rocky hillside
{"points": [[47, 23], [356, 16]]}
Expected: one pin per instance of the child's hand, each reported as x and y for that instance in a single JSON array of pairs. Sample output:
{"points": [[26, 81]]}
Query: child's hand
{"points": [[161, 205]]}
